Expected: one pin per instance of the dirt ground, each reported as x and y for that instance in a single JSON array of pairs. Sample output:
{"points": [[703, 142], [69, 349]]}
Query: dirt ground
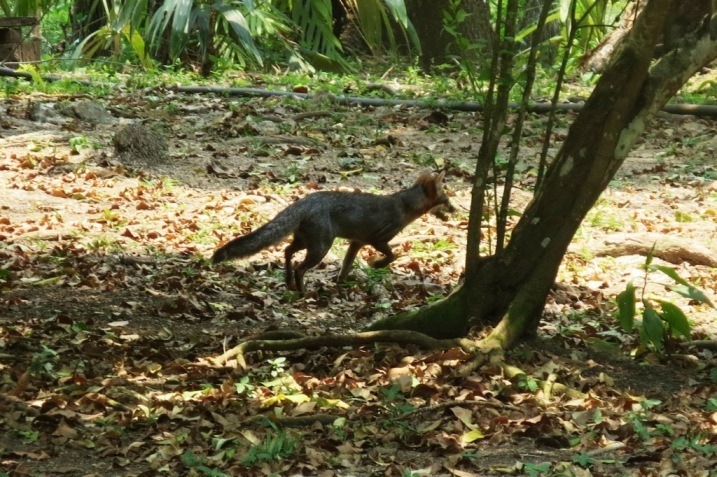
{"points": [[109, 311]]}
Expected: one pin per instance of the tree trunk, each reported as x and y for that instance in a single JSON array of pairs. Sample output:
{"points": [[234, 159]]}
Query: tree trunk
{"points": [[427, 18], [548, 50], [86, 17], [598, 57], [685, 17], [509, 290]]}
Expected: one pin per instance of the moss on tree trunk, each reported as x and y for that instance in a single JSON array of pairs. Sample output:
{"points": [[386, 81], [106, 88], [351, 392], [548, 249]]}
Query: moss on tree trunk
{"points": [[441, 319]]}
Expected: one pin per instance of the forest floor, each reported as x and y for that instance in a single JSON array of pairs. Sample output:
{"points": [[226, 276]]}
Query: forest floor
{"points": [[109, 310]]}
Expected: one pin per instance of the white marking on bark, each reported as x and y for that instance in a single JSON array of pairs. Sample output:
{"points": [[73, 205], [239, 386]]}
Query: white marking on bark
{"points": [[535, 220], [629, 136], [545, 242], [566, 167]]}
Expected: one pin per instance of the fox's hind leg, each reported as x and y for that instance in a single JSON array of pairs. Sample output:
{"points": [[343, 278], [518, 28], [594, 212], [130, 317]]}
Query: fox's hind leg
{"points": [[296, 245], [315, 252]]}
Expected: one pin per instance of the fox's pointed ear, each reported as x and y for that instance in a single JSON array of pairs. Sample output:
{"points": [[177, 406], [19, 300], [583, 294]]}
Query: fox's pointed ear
{"points": [[428, 181], [425, 177], [440, 177]]}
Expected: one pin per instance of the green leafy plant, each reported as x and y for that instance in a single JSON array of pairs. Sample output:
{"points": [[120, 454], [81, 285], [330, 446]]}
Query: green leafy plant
{"points": [[112, 218], [215, 25], [638, 418], [81, 143], [394, 400], [29, 436], [244, 386], [583, 459], [278, 366], [43, 363], [536, 469], [25, 8], [453, 17], [698, 443], [589, 17], [661, 319], [373, 21], [295, 171], [199, 465], [429, 249], [120, 31], [375, 275], [101, 243], [526, 382], [276, 446]]}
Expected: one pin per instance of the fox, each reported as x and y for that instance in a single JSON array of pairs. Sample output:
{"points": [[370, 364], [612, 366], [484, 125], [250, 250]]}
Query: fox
{"points": [[319, 218]]}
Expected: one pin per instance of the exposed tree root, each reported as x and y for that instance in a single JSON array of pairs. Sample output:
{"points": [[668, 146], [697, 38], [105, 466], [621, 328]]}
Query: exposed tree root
{"points": [[311, 115], [485, 350], [548, 387], [329, 419], [670, 249], [446, 404], [704, 344], [556, 388], [296, 421], [335, 341], [281, 139]]}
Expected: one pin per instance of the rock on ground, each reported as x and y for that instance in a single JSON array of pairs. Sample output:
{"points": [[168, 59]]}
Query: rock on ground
{"points": [[139, 145]]}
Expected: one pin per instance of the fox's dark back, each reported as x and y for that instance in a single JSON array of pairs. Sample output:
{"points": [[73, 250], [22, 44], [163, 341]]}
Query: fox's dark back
{"points": [[361, 216]]}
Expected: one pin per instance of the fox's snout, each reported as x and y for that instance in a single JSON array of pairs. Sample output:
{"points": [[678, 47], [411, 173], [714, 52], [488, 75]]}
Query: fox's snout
{"points": [[449, 207], [442, 208]]}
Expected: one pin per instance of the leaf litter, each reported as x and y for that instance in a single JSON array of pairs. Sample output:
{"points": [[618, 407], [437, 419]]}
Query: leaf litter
{"points": [[109, 310]]}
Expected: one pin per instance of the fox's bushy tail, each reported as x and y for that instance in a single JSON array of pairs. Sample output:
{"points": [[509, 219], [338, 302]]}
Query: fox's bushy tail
{"points": [[265, 236]]}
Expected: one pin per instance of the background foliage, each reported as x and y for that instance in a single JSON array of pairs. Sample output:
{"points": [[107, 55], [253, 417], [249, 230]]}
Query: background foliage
{"points": [[302, 35]]}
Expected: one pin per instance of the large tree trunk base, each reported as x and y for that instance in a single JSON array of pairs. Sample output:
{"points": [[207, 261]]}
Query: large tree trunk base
{"points": [[442, 319]]}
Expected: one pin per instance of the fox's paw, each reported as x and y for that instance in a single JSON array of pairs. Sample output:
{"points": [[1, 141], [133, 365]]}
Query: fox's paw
{"points": [[380, 262], [290, 279]]}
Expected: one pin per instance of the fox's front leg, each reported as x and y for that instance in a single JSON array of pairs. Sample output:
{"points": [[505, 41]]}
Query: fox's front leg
{"points": [[385, 249], [348, 262]]}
